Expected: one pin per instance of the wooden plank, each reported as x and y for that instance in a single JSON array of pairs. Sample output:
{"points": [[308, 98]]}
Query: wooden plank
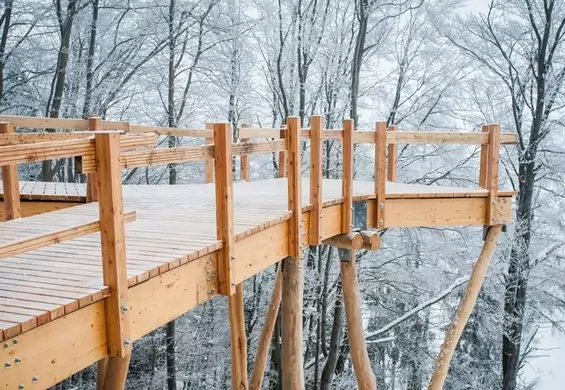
{"points": [[380, 173], [179, 132], [244, 161], [316, 189], [45, 123], [293, 282], [483, 164], [37, 207], [347, 175], [429, 137], [16, 154], [49, 355], [224, 206], [493, 171], [209, 163], [25, 245], [29, 138], [112, 240], [282, 165], [392, 157], [351, 240], [10, 182]]}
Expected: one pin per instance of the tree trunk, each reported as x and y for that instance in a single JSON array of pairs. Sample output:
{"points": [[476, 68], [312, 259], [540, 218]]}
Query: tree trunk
{"points": [[171, 361], [335, 342], [90, 61], [5, 31]]}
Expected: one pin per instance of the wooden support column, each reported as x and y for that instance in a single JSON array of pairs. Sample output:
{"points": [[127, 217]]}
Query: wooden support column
{"points": [[465, 308], [10, 182], [355, 331], [282, 167], [316, 190], [209, 164], [293, 278], [392, 158], [256, 380], [94, 124], [493, 168], [483, 165], [112, 236], [225, 233], [380, 174], [347, 175], [244, 161]]}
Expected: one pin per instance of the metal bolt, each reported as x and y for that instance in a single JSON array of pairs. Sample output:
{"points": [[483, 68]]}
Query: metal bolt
{"points": [[15, 341], [232, 258], [382, 205], [7, 365], [124, 308], [34, 379], [6, 345], [211, 291], [381, 221], [21, 387], [127, 342], [17, 360]]}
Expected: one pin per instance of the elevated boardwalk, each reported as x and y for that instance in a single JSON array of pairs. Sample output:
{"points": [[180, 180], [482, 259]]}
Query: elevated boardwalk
{"points": [[54, 301]]}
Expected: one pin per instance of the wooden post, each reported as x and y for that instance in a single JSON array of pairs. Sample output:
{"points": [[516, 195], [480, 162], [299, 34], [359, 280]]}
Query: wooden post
{"points": [[483, 165], [493, 168], [355, 331], [347, 175], [293, 283], [282, 155], [209, 164], [256, 380], [112, 236], [392, 158], [316, 191], [465, 308], [94, 124], [225, 233], [380, 174], [10, 182], [244, 162]]}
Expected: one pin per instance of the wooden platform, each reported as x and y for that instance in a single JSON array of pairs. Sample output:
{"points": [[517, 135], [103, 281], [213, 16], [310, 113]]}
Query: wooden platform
{"points": [[176, 225]]}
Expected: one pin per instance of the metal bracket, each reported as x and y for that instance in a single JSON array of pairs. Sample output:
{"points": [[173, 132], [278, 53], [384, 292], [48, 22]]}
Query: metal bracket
{"points": [[359, 215], [486, 229], [344, 254]]}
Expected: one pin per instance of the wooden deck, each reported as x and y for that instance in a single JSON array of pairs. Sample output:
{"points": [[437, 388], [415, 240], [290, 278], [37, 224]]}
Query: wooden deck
{"points": [[175, 225]]}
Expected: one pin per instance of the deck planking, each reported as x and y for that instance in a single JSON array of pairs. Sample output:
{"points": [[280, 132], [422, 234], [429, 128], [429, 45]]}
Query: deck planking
{"points": [[174, 225]]}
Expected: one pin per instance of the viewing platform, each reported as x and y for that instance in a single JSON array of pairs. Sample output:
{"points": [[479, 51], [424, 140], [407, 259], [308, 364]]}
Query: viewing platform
{"points": [[87, 269]]}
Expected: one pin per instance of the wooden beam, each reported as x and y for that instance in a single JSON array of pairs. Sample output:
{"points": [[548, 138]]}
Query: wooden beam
{"points": [[483, 164], [238, 339], [347, 175], [371, 240], [316, 191], [493, 169], [112, 236], [282, 166], [293, 279], [95, 124], [352, 240], [244, 160], [433, 137], [392, 157], [355, 329], [209, 164], [29, 138], [10, 182], [256, 381], [465, 308], [380, 173]]}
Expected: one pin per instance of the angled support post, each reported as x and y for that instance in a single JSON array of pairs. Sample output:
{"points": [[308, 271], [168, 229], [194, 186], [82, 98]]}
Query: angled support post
{"points": [[112, 235], [392, 157], [11, 183], [225, 233], [94, 124], [316, 189], [244, 169], [209, 164], [293, 278], [347, 175], [380, 174]]}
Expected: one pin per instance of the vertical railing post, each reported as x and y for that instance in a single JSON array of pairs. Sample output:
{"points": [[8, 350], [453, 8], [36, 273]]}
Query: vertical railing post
{"points": [[244, 161], [483, 165], [225, 233], [10, 182], [493, 169], [347, 175], [94, 124], [316, 190], [392, 157], [209, 164], [282, 166], [380, 174], [114, 267], [293, 282]]}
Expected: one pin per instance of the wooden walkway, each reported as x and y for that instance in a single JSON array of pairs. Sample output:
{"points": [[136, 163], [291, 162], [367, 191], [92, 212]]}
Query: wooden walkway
{"points": [[174, 225]]}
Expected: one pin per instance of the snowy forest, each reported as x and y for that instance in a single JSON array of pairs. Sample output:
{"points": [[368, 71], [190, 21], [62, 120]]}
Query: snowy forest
{"points": [[418, 64]]}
